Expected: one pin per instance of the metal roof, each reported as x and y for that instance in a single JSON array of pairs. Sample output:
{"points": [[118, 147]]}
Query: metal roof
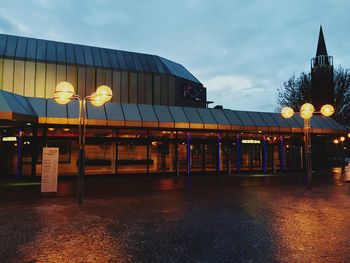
{"points": [[16, 47], [46, 111]]}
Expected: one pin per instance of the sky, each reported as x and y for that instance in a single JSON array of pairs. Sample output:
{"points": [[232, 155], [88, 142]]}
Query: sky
{"points": [[242, 51]]}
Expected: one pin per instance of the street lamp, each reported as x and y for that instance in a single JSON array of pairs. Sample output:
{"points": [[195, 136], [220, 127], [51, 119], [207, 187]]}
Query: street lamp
{"points": [[64, 93], [306, 112]]}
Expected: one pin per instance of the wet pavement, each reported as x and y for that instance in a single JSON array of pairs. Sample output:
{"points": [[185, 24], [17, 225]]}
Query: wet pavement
{"points": [[198, 219]]}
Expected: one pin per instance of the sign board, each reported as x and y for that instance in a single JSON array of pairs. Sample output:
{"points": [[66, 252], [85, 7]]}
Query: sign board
{"points": [[251, 141], [9, 139], [49, 169]]}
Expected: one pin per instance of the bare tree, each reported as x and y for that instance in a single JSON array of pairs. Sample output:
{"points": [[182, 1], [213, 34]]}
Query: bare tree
{"points": [[297, 90]]}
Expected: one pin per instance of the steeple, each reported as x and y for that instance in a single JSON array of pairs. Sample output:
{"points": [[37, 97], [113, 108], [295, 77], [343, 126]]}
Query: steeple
{"points": [[321, 45]]}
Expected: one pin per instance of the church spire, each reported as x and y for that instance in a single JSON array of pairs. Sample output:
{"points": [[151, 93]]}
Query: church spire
{"points": [[321, 45]]}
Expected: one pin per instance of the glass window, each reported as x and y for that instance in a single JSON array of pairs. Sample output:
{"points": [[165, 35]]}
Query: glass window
{"points": [[21, 47], [11, 46], [70, 54], [99, 157], [251, 152], [40, 77], [132, 156], [29, 83], [61, 52], [125, 89], [113, 59], [149, 89], [31, 48], [51, 51], [116, 87], [50, 80], [18, 86], [88, 56], [105, 58], [8, 75], [156, 90], [79, 54], [41, 50], [141, 89], [96, 57], [162, 156], [133, 88]]}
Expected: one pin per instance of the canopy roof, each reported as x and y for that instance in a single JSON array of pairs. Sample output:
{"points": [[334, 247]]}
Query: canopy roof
{"points": [[24, 48], [14, 107]]}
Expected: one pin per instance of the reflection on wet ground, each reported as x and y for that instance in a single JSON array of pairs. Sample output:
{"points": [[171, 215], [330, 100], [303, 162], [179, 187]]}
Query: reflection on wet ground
{"points": [[202, 219]]}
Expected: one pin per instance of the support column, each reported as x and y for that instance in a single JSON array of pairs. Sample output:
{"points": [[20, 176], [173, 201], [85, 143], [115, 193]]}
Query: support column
{"points": [[148, 153], [188, 153], [218, 155], [264, 153], [34, 151], [177, 155], [19, 155], [238, 142], [281, 154]]}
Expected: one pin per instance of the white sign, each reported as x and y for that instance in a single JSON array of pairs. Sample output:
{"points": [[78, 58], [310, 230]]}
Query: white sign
{"points": [[9, 139], [251, 141], [49, 169]]}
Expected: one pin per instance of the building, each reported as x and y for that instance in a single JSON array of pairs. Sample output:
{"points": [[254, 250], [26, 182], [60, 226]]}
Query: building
{"points": [[322, 86], [157, 122]]}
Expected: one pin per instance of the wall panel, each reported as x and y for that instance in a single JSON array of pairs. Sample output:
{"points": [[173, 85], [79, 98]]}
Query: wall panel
{"points": [[100, 77], [81, 81], [141, 89], [50, 80], [18, 80], [90, 81], [156, 90], [40, 80], [72, 77], [61, 74], [8, 75], [116, 87], [132, 88], [171, 91], [125, 87], [164, 90], [29, 79], [149, 89]]}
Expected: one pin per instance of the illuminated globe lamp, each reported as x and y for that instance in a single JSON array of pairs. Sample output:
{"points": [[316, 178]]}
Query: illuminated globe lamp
{"points": [[306, 111], [349, 135], [104, 93], [335, 141], [63, 93], [327, 110], [287, 112], [342, 138]]}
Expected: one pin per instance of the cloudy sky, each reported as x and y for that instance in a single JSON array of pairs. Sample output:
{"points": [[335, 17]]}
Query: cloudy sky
{"points": [[242, 51]]}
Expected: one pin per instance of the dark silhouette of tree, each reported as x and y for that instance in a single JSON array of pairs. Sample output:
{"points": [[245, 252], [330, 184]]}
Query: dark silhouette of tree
{"points": [[218, 107], [297, 90]]}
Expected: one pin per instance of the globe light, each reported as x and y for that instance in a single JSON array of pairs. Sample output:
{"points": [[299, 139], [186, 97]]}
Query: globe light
{"points": [[335, 141], [327, 110], [349, 135], [287, 112], [306, 111], [342, 138], [104, 93], [97, 100], [63, 93]]}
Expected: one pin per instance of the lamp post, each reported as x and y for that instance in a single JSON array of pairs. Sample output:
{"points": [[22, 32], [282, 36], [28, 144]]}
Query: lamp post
{"points": [[306, 112], [64, 93]]}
